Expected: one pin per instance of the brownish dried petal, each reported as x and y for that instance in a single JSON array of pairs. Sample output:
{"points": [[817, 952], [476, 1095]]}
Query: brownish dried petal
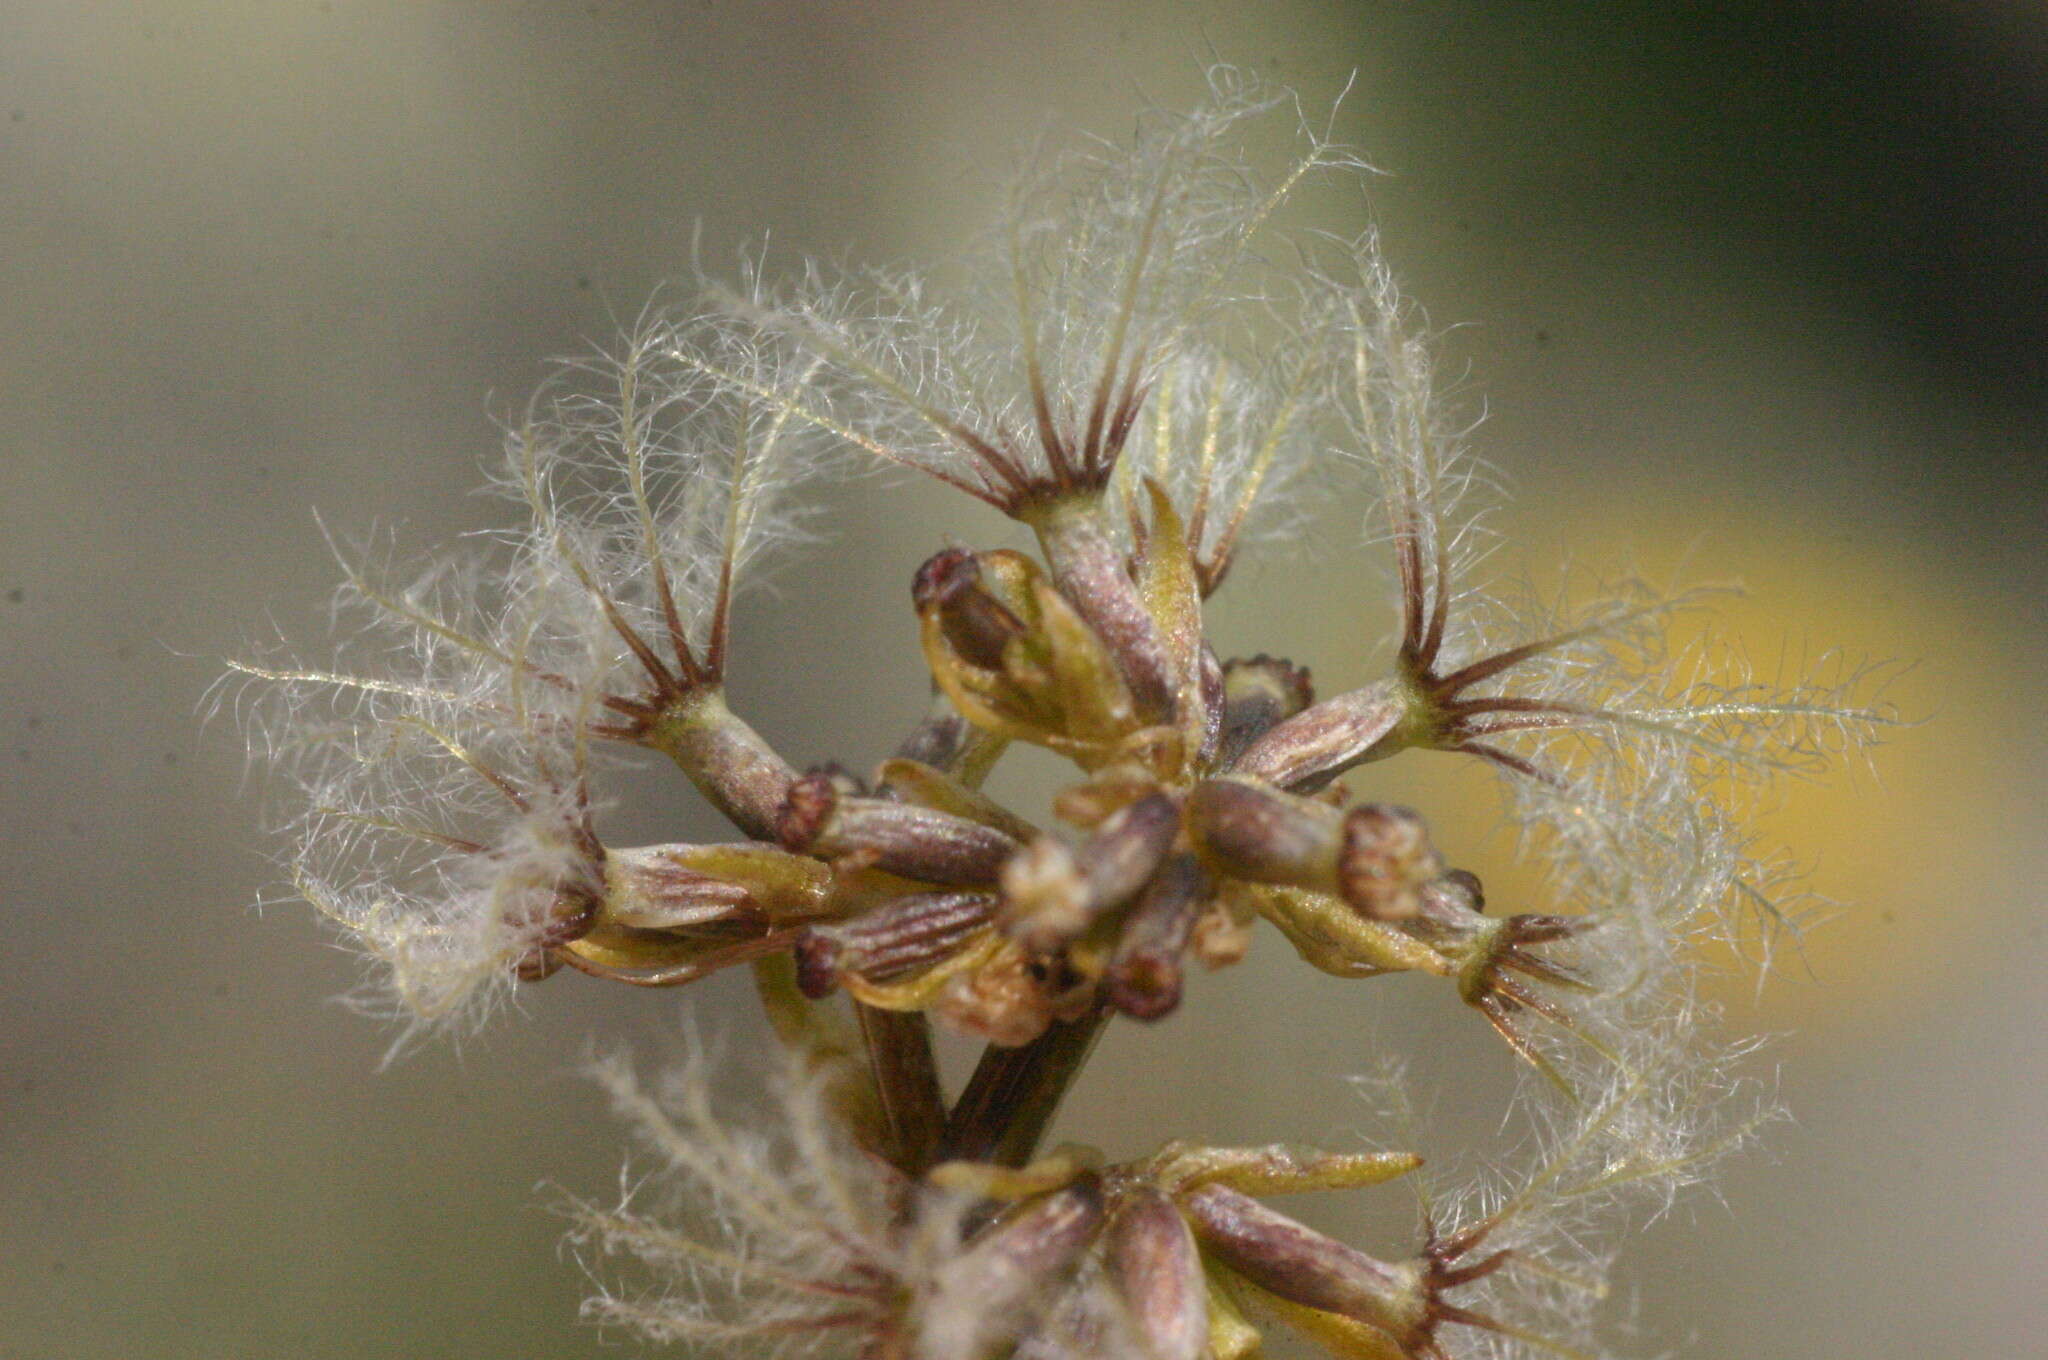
{"points": [[1045, 896], [1110, 790], [1002, 1001], [1223, 932]]}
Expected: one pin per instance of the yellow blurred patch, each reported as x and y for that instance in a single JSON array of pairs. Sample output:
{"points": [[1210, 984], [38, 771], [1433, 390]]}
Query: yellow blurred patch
{"points": [[1891, 837]]}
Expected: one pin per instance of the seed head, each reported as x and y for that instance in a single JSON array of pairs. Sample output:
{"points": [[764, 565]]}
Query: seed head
{"points": [[1135, 368]]}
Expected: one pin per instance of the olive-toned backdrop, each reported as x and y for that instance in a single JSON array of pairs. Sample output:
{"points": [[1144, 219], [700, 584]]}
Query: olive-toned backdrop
{"points": [[1744, 294]]}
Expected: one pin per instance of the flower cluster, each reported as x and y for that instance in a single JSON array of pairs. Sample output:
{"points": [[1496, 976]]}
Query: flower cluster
{"points": [[1136, 368]]}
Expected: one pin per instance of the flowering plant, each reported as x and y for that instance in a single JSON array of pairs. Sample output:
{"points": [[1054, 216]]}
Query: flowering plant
{"points": [[1143, 362]]}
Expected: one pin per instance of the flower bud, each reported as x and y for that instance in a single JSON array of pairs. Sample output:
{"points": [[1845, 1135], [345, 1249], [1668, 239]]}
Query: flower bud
{"points": [[818, 818], [1386, 860], [1306, 751], [1210, 682], [975, 624], [1375, 856], [1145, 973], [906, 935], [1157, 1270], [1253, 832], [1053, 894], [1259, 693], [1016, 658], [672, 887], [946, 742], [1091, 574], [1301, 1265], [986, 1295]]}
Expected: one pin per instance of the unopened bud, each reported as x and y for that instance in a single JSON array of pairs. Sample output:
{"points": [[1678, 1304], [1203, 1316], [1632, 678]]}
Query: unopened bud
{"points": [[1145, 974], [1375, 856], [1303, 1266], [1017, 657], [1306, 751], [945, 741], [1386, 860], [1260, 834], [984, 1296], [1055, 894], [1157, 1269], [1209, 677], [1091, 573], [931, 846], [674, 887], [903, 936], [1259, 693], [976, 624]]}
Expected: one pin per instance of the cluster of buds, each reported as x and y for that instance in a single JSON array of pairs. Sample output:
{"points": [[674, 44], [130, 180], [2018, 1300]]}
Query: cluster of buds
{"points": [[1187, 828], [1184, 1253], [1154, 384], [1173, 1256]]}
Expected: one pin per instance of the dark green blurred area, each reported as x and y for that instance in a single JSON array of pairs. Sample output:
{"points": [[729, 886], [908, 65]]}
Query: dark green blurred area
{"points": [[1762, 280]]}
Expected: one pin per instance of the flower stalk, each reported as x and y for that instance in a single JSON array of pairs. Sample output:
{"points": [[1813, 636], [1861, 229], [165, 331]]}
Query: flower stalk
{"points": [[1014, 1093]]}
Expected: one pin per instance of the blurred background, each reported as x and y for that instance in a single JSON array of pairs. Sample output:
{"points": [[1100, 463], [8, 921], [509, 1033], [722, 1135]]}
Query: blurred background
{"points": [[1752, 289]]}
